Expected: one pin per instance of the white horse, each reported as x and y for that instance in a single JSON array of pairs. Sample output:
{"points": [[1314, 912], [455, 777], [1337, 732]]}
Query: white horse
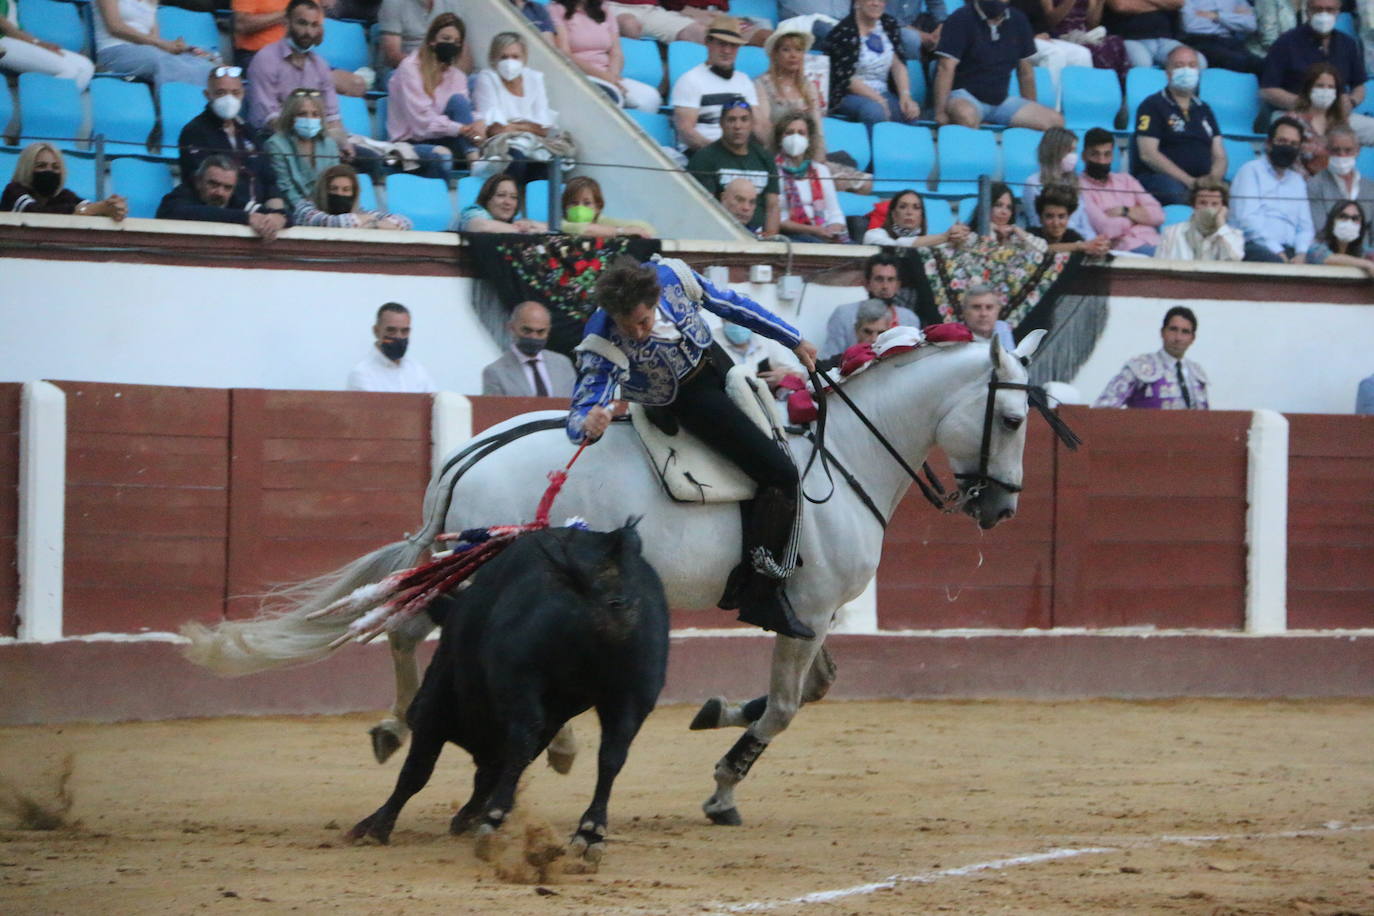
{"points": [[932, 395]]}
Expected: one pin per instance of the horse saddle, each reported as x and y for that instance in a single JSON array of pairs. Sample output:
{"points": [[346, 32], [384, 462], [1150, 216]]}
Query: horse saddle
{"points": [[691, 471]]}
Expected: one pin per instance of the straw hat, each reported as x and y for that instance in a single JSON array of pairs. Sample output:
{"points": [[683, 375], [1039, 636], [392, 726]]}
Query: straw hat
{"points": [[786, 30], [726, 29]]}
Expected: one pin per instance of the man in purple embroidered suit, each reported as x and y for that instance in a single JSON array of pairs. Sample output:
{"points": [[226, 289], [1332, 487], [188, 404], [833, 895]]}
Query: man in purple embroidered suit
{"points": [[1163, 379]]}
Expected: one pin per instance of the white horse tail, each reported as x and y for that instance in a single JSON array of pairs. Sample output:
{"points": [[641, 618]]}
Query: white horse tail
{"points": [[281, 633]]}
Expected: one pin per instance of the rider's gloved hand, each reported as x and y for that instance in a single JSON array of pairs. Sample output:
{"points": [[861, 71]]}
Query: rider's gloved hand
{"points": [[598, 418]]}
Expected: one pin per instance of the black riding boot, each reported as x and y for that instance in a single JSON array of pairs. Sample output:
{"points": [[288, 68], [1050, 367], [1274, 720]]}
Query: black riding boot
{"points": [[769, 538]]}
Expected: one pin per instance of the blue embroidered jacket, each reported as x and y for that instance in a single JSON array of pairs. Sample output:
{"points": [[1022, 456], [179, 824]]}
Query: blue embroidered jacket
{"points": [[648, 371]]}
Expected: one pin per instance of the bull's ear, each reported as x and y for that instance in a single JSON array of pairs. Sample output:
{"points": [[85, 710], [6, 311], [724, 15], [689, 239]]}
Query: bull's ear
{"points": [[630, 543]]}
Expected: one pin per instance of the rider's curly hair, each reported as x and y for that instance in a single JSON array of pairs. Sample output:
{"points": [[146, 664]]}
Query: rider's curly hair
{"points": [[626, 285]]}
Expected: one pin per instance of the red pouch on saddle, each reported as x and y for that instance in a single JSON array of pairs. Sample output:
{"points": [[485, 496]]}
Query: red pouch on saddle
{"points": [[856, 356], [949, 332], [801, 407]]}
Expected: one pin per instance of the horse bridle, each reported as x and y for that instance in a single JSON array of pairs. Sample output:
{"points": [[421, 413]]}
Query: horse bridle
{"points": [[930, 485]]}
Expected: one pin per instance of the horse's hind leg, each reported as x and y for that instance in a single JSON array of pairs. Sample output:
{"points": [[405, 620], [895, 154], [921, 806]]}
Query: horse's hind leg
{"points": [[791, 657], [389, 734], [719, 712], [415, 772]]}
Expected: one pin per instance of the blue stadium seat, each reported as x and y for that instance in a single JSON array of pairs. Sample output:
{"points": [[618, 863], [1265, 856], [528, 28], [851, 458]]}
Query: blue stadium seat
{"points": [[1141, 82], [642, 61], [344, 45], [424, 200], [1365, 160], [1091, 97], [8, 160], [1345, 22], [53, 21], [51, 109], [657, 125], [752, 61], [919, 87], [964, 154], [683, 56], [123, 112], [198, 29], [537, 200], [367, 194], [81, 174], [966, 207], [1238, 152], [6, 110], [379, 120], [1234, 99], [902, 157], [1177, 213], [1019, 145], [467, 191], [756, 9], [142, 183], [850, 136], [179, 102], [852, 204], [355, 115], [939, 217], [1044, 87]]}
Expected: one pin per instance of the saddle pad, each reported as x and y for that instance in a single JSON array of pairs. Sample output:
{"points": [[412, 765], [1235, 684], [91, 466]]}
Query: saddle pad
{"points": [[693, 472]]}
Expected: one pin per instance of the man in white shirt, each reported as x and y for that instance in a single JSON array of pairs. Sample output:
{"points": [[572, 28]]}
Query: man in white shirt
{"points": [[1206, 236], [881, 281], [767, 359], [1269, 199], [386, 368], [527, 369], [699, 94]]}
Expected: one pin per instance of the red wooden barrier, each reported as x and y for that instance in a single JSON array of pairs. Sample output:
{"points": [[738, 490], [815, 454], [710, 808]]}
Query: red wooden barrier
{"points": [[9, 506], [1330, 521]]}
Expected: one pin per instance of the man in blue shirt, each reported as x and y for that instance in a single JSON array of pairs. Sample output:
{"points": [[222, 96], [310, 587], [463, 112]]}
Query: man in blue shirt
{"points": [[1177, 139], [1220, 29], [1269, 199], [1317, 41], [980, 45]]}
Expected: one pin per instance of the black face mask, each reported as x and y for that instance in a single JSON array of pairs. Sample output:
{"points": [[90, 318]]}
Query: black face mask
{"points": [[724, 73], [339, 203], [1097, 171], [992, 9], [395, 349], [46, 184], [447, 51], [1283, 157], [530, 346]]}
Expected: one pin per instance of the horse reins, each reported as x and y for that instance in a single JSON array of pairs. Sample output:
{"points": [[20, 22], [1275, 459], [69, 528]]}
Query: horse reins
{"points": [[1035, 394]]}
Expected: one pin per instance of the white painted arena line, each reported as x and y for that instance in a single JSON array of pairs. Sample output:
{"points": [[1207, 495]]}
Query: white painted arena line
{"points": [[930, 877]]}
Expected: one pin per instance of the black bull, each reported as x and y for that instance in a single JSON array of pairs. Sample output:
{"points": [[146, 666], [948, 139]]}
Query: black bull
{"points": [[562, 621]]}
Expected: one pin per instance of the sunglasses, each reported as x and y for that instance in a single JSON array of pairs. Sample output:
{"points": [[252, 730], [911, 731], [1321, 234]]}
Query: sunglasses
{"points": [[234, 72], [735, 103]]}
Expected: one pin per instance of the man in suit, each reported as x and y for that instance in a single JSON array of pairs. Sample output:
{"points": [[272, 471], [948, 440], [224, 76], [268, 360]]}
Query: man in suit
{"points": [[1341, 180], [526, 369]]}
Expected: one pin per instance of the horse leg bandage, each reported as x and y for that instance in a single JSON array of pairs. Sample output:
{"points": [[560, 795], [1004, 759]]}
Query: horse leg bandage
{"points": [[739, 760]]}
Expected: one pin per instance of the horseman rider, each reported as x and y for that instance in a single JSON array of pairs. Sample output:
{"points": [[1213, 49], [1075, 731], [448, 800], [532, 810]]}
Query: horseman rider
{"points": [[649, 337]]}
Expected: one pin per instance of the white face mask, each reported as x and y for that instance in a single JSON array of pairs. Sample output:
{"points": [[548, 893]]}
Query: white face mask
{"points": [[1347, 230], [226, 107], [1323, 99], [795, 144], [510, 68], [1069, 162], [1342, 165], [1322, 23], [1184, 79]]}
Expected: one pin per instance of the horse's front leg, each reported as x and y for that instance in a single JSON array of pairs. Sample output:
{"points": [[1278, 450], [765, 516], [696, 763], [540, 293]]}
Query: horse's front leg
{"points": [[389, 734], [792, 658], [718, 712]]}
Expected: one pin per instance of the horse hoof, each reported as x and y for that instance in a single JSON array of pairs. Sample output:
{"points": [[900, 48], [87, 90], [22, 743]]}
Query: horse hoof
{"points": [[709, 715], [561, 762], [384, 743], [727, 818]]}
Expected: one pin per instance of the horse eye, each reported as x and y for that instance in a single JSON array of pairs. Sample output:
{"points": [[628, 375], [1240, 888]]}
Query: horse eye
{"points": [[1012, 423]]}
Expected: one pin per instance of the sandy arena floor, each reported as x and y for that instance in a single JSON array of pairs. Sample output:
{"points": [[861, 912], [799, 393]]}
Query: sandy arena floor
{"points": [[1187, 807]]}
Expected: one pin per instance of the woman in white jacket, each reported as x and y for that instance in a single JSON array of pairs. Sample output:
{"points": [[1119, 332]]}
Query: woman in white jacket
{"points": [[810, 208], [510, 96]]}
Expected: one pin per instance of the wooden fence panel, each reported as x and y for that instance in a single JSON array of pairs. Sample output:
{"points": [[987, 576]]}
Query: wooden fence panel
{"points": [[9, 507], [147, 503], [1150, 523], [1330, 521]]}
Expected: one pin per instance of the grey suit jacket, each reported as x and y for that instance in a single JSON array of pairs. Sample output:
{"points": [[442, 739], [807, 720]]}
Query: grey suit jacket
{"points": [[1323, 193], [507, 376]]}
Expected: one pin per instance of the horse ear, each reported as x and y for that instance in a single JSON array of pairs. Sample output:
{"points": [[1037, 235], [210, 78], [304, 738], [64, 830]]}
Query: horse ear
{"points": [[1029, 344]]}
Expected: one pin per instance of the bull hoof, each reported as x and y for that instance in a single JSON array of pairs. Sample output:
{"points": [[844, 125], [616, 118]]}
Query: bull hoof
{"points": [[384, 742], [461, 823], [727, 818], [588, 848], [368, 830], [709, 715], [561, 762]]}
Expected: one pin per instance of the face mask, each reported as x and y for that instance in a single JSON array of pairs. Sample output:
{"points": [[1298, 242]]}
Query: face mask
{"points": [[1323, 99], [299, 48], [510, 68], [306, 128], [1206, 220], [1283, 157], [795, 145], [1069, 162], [46, 184], [1347, 230], [992, 9], [226, 107], [447, 51], [339, 203], [1184, 79], [395, 349], [580, 213], [1323, 23], [737, 335], [1342, 165], [530, 346], [1097, 171]]}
